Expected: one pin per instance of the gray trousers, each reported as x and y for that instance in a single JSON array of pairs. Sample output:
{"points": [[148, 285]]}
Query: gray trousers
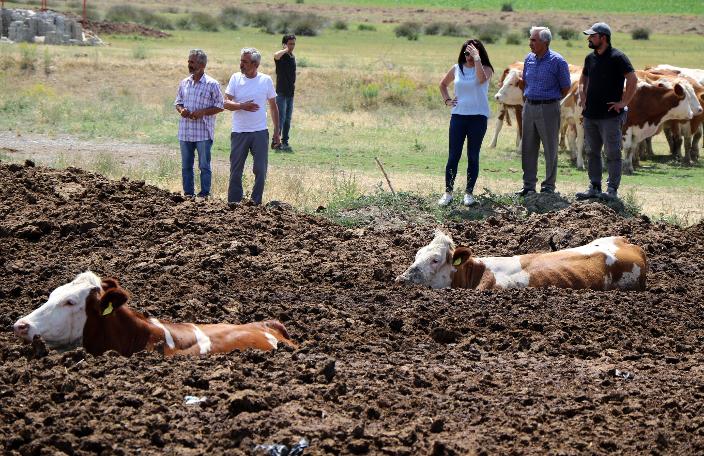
{"points": [[606, 133], [241, 144], [541, 123]]}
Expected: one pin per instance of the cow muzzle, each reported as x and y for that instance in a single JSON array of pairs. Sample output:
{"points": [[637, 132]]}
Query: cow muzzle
{"points": [[21, 328]]}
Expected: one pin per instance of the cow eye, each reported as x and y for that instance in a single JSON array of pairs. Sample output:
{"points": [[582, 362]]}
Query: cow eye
{"points": [[435, 260], [70, 303]]}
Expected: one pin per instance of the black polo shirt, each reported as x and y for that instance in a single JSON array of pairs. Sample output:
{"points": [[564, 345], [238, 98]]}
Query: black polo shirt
{"points": [[606, 73], [286, 75]]}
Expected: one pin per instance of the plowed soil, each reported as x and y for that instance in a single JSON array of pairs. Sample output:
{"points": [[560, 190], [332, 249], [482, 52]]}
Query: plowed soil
{"points": [[381, 368]]}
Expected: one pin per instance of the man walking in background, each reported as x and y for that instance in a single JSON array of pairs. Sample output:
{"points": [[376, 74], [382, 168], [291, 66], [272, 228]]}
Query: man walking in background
{"points": [[246, 95], [285, 86], [604, 104], [547, 79], [198, 100]]}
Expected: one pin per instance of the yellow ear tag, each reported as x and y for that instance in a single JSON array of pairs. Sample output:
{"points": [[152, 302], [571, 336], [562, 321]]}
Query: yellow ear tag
{"points": [[457, 262], [108, 309]]}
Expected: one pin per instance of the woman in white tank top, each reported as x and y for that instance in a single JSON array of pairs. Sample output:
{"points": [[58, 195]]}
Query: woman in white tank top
{"points": [[470, 112]]}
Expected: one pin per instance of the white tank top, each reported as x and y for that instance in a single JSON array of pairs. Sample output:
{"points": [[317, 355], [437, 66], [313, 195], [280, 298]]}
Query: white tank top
{"points": [[471, 96]]}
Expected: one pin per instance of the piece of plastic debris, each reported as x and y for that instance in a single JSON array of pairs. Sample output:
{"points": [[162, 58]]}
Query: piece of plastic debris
{"points": [[623, 374], [283, 450], [192, 400]]}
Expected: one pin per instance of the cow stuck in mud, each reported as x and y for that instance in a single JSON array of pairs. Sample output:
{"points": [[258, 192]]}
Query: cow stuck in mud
{"points": [[93, 312], [609, 263]]}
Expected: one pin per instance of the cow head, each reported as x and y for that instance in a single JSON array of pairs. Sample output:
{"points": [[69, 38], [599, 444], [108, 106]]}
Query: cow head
{"points": [[511, 90], [433, 263], [61, 319]]}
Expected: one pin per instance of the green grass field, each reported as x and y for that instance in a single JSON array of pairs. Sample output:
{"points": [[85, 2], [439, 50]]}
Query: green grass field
{"points": [[360, 95]]}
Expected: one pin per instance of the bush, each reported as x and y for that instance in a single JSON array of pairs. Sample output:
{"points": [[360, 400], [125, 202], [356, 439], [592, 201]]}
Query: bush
{"points": [[304, 25], [507, 7], [568, 33], [139, 52], [128, 13], [398, 90], [198, 21], [339, 25], [410, 30], [451, 29], [514, 38], [490, 32], [370, 94], [366, 28], [232, 17], [433, 28], [640, 33]]}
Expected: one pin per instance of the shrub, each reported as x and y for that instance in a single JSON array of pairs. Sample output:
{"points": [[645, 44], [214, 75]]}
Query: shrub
{"points": [[198, 21], [451, 29], [232, 17], [304, 25], [28, 57], [507, 7], [514, 38], [370, 94], [128, 13], [433, 28], [640, 33], [398, 90], [490, 32], [139, 52], [410, 30], [568, 33], [339, 25], [263, 19], [366, 28]]}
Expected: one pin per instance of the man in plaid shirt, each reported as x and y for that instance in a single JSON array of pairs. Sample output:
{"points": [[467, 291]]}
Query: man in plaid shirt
{"points": [[198, 100]]}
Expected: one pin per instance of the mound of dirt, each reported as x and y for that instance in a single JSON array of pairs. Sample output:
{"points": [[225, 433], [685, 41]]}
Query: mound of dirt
{"points": [[381, 368]]}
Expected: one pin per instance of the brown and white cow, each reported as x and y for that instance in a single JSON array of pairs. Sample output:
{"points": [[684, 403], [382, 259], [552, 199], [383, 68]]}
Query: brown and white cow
{"points": [[652, 106], [509, 97], [93, 312], [604, 264]]}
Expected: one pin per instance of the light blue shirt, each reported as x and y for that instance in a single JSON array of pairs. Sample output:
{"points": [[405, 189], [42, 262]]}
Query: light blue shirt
{"points": [[472, 97]]}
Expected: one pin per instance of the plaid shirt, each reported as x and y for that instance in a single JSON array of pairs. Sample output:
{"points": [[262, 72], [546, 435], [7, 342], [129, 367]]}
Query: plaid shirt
{"points": [[544, 77], [193, 96]]}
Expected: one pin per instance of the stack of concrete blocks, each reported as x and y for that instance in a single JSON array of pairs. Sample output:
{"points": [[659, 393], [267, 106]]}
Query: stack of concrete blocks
{"points": [[42, 27]]}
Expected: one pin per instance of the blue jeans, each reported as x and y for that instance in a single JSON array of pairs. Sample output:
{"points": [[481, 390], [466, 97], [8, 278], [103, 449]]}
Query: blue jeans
{"points": [[473, 128], [188, 149], [285, 105]]}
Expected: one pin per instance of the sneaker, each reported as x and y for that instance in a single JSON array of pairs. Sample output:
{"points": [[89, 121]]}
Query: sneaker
{"points": [[594, 191], [524, 192], [445, 199], [286, 148], [469, 200], [610, 195]]}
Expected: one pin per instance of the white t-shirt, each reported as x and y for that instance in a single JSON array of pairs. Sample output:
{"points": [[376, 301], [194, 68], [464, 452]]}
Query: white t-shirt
{"points": [[472, 97], [259, 89]]}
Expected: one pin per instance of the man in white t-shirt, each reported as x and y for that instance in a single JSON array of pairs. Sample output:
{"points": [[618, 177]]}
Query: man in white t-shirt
{"points": [[246, 95]]}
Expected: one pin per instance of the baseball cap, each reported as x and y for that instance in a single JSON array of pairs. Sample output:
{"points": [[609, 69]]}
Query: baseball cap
{"points": [[599, 27]]}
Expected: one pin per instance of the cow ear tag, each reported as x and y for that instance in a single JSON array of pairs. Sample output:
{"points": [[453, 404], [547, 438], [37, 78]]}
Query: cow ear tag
{"points": [[457, 262], [108, 309]]}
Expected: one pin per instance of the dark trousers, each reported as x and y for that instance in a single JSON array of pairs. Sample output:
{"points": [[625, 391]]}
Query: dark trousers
{"points": [[473, 128], [241, 145], [606, 133]]}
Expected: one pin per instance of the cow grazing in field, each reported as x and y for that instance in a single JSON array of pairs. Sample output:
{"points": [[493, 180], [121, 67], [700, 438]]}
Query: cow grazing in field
{"points": [[604, 264], [571, 123], [652, 106], [93, 312], [693, 73]]}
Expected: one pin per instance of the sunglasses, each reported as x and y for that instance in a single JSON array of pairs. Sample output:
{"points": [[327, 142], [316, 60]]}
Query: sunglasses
{"points": [[466, 53]]}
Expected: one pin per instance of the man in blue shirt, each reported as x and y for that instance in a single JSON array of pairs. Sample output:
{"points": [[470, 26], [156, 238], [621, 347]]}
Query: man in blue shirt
{"points": [[547, 79]]}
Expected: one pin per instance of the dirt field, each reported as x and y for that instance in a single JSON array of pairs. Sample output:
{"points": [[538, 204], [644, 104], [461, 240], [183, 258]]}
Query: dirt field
{"points": [[381, 368]]}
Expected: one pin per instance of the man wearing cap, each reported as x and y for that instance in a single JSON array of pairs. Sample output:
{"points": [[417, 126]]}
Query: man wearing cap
{"points": [[547, 79], [604, 103]]}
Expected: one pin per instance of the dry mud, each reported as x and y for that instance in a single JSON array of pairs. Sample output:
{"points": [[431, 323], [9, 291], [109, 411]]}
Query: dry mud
{"points": [[381, 368]]}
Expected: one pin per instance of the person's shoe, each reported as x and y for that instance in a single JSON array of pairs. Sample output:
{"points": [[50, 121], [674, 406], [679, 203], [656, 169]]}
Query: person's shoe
{"points": [[276, 147], [547, 190], [189, 196], [445, 199], [594, 191], [286, 148], [469, 200], [524, 192], [610, 195]]}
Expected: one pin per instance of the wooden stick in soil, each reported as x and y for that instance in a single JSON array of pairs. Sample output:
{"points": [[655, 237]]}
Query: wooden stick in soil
{"points": [[388, 181]]}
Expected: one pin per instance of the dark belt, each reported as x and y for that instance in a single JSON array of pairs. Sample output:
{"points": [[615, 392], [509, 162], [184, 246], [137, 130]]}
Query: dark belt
{"points": [[541, 101]]}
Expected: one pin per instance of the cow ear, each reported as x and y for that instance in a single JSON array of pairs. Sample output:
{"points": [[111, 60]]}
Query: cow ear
{"points": [[679, 91], [112, 299], [521, 84], [110, 283], [461, 255]]}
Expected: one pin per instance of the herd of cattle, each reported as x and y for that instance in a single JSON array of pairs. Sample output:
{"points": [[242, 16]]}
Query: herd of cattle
{"points": [[93, 313], [668, 99]]}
